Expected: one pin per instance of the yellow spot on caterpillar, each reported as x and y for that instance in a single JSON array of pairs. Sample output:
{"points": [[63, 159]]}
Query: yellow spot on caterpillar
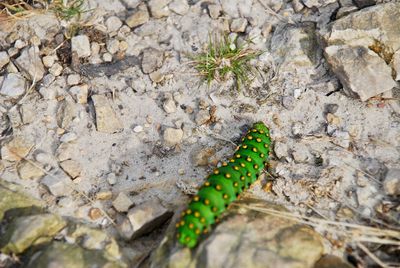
{"points": [[227, 175], [183, 213], [248, 159], [255, 150], [258, 140], [218, 187], [182, 223], [177, 225], [224, 164], [237, 155], [250, 137], [197, 214], [216, 172], [202, 220], [242, 139], [256, 166], [187, 239], [232, 160], [262, 155], [254, 130], [261, 131], [248, 174], [225, 196], [235, 167], [235, 184], [191, 225], [207, 202], [189, 211], [242, 165], [266, 145], [207, 183], [214, 209], [197, 231], [242, 178], [244, 146], [196, 198]]}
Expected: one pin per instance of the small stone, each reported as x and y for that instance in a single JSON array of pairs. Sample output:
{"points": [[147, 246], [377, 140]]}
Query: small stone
{"points": [[111, 178], [13, 85], [214, 10], [27, 113], [147, 216], [300, 153], [16, 149], [30, 63], [202, 117], [172, 136], [138, 18], [122, 203], [66, 112], [332, 119], [156, 76], [180, 7], [181, 171], [81, 45], [341, 138], [169, 106], [95, 214], [104, 195], [239, 25], [48, 61], [20, 44], [28, 171], [73, 79], [391, 183], [107, 57], [364, 3], [58, 184], [123, 45], [56, 69], [281, 150], [112, 46], [159, 8], [138, 129], [113, 23], [297, 6], [80, 93], [4, 59], [106, 118], [71, 167], [152, 60], [203, 156]]}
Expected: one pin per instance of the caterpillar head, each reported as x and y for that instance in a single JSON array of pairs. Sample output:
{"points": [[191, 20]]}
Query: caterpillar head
{"points": [[259, 126]]}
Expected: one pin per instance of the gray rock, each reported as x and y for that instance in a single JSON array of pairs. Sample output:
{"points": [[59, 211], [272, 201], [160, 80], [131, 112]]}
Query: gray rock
{"points": [[344, 11], [71, 167], [26, 231], [245, 238], [147, 216], [81, 45], [159, 8], [364, 3], [152, 60], [107, 120], [230, 7], [180, 7], [112, 46], [66, 112], [138, 18], [4, 59], [169, 106], [80, 93], [16, 149], [30, 63], [214, 10], [288, 102], [56, 69], [58, 184], [341, 138], [391, 183], [122, 203], [362, 72], [13, 86], [113, 23], [281, 150], [172, 136], [297, 5], [73, 79], [29, 171], [239, 25]]}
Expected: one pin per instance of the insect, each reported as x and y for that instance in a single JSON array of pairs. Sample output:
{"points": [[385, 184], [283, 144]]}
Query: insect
{"points": [[224, 185]]}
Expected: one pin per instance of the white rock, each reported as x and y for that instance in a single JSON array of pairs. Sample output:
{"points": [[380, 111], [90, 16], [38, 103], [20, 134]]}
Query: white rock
{"points": [[81, 45], [73, 79], [172, 136], [48, 61], [239, 25], [4, 59], [30, 63], [106, 118], [80, 93], [180, 7], [71, 167], [281, 150], [122, 203], [112, 46], [111, 179], [56, 69], [138, 129], [113, 23], [20, 44], [169, 106], [13, 86], [159, 8], [107, 57]]}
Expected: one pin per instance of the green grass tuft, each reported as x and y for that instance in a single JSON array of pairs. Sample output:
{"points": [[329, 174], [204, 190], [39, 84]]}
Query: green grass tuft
{"points": [[224, 59], [67, 10]]}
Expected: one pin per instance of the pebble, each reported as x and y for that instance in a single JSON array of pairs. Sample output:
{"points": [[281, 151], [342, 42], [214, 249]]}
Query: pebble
{"points": [[281, 150], [28, 171], [152, 60], [113, 24], [159, 8], [341, 138], [138, 129], [95, 213], [30, 63], [214, 10], [169, 106], [111, 178], [107, 57], [391, 183], [81, 45], [48, 61], [104, 195], [180, 7], [16, 149], [300, 153], [106, 118], [58, 184], [72, 168], [4, 59], [156, 76], [112, 46], [56, 69], [80, 93], [202, 117], [147, 216], [122, 203], [239, 25], [13, 85], [73, 79], [297, 5], [138, 18], [172, 136]]}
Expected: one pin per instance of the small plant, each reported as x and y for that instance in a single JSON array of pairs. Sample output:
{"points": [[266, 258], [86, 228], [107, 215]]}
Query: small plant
{"points": [[225, 58], [67, 10]]}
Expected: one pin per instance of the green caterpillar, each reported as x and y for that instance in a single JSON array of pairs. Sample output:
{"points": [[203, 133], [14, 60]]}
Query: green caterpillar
{"points": [[224, 185]]}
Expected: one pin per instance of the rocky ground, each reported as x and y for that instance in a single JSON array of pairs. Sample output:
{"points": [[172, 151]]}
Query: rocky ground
{"points": [[107, 130]]}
